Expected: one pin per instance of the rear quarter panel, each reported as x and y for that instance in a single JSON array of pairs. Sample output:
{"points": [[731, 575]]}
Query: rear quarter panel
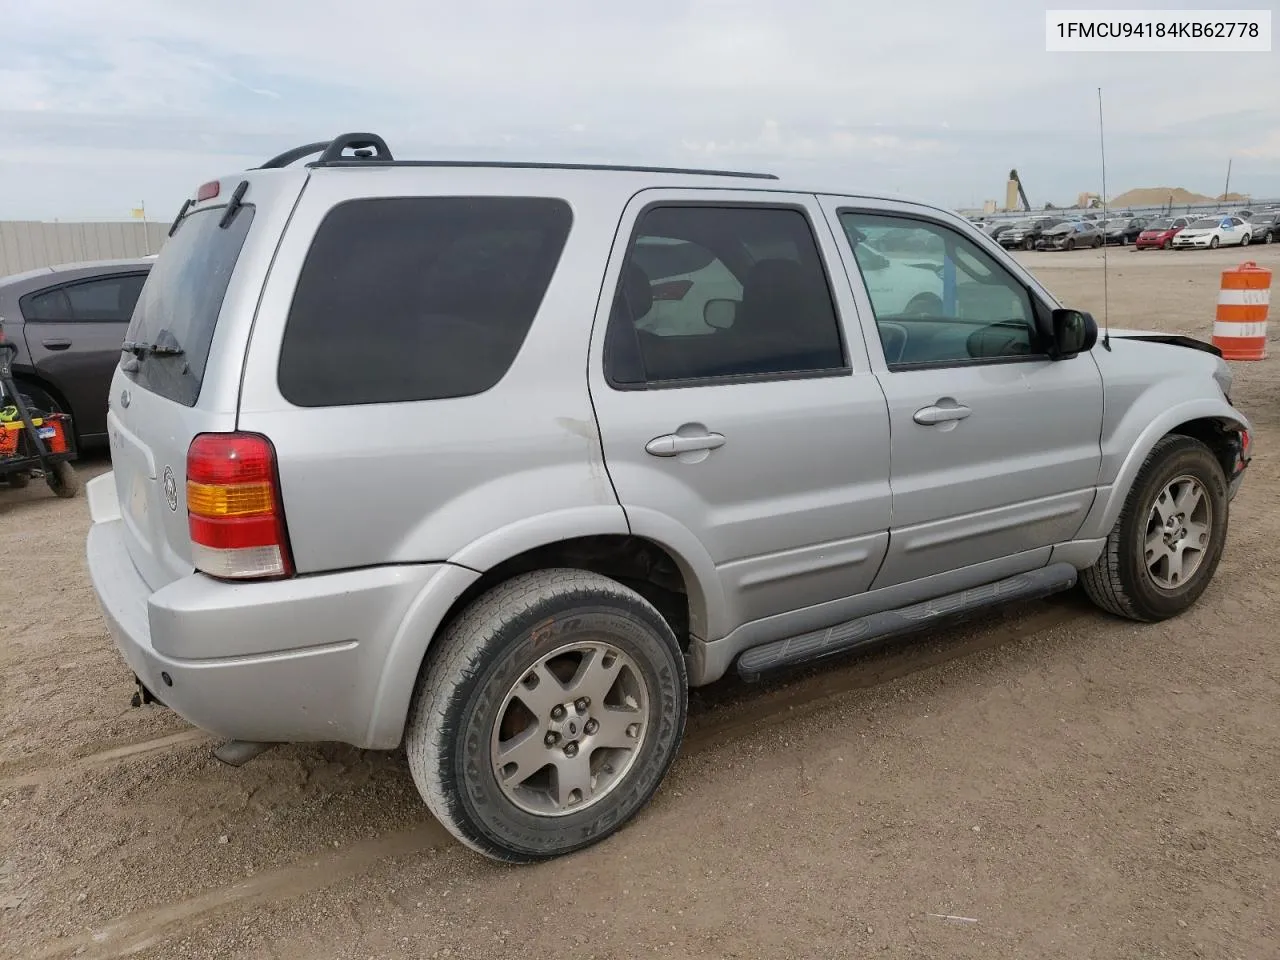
{"points": [[473, 479]]}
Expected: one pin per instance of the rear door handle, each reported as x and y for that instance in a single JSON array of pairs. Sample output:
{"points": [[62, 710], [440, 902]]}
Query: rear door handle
{"points": [[56, 343], [941, 412], [672, 444]]}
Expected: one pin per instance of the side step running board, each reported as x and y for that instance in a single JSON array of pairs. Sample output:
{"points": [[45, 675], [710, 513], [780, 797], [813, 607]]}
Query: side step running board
{"points": [[819, 644]]}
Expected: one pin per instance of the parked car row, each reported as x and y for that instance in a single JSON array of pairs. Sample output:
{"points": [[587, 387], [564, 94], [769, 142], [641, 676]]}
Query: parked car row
{"points": [[1091, 230]]}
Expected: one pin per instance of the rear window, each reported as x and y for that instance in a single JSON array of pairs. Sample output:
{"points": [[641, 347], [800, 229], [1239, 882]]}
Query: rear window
{"points": [[181, 300], [418, 298]]}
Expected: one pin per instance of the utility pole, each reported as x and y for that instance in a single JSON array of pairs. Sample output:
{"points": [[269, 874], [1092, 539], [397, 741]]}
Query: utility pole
{"points": [[1227, 189]]}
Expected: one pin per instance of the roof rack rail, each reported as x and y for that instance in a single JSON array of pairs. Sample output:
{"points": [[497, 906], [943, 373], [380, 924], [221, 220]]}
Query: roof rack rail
{"points": [[297, 153], [363, 145], [369, 149]]}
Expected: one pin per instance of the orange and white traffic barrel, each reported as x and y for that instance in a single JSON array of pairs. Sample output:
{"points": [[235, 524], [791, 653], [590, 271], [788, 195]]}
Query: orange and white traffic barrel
{"points": [[1240, 328]]}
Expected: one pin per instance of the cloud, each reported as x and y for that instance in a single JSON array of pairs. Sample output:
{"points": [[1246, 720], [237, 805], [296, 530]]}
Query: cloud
{"points": [[935, 98]]}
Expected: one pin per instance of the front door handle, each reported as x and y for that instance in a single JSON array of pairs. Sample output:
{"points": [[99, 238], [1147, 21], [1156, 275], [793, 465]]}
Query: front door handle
{"points": [[945, 410], [672, 444], [56, 343]]}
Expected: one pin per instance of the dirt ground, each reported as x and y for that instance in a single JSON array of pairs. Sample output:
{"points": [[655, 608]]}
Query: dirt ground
{"points": [[1046, 782]]}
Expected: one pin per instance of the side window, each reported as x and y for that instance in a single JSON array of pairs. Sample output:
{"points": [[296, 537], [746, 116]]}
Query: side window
{"points": [[711, 292], [418, 298], [48, 305], [110, 299], [106, 299], [938, 299]]}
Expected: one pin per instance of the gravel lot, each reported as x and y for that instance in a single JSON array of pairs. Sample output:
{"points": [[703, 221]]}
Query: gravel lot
{"points": [[1045, 782]]}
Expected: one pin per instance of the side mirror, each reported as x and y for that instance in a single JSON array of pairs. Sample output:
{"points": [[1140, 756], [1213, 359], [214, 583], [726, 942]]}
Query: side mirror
{"points": [[1074, 332], [720, 313]]}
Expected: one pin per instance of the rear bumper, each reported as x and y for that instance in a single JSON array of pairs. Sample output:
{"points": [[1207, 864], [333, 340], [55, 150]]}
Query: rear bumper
{"points": [[291, 660]]}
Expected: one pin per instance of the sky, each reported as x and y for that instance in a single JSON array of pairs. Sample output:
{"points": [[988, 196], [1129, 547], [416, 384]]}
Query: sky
{"points": [[105, 105]]}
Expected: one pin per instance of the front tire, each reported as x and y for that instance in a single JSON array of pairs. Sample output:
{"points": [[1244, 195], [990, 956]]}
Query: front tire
{"points": [[1244, 241], [1167, 245], [1028, 244], [547, 715], [1168, 540], [1213, 243]]}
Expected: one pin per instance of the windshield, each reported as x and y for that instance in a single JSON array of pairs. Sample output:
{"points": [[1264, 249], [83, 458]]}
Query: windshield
{"points": [[1159, 224], [1206, 223], [1262, 218], [180, 302]]}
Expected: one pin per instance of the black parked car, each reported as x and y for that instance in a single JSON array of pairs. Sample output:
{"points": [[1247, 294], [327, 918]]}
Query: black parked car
{"points": [[1026, 233], [69, 322], [1265, 227], [1124, 230]]}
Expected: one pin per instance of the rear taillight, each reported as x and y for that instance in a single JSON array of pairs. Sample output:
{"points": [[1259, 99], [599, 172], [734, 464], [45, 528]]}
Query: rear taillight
{"points": [[671, 289], [234, 508]]}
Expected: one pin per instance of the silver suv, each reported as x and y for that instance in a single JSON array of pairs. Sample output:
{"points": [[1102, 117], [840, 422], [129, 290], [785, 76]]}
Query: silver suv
{"points": [[398, 459]]}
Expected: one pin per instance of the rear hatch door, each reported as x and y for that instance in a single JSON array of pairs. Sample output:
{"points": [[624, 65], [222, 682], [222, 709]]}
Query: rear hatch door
{"points": [[182, 357]]}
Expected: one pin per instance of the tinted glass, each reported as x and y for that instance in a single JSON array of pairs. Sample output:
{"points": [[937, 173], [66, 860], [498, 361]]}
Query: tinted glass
{"points": [[418, 298], [661, 258], [108, 299], [1160, 225], [765, 292], [958, 305], [181, 300]]}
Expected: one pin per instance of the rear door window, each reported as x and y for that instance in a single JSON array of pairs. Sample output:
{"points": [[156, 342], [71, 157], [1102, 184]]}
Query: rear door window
{"points": [[181, 300], [104, 299], [418, 298], [758, 307]]}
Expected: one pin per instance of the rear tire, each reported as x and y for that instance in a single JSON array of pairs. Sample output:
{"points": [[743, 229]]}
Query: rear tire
{"points": [[483, 693], [63, 479], [1136, 575]]}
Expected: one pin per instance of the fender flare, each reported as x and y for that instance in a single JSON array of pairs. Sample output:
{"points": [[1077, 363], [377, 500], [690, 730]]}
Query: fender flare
{"points": [[1107, 507], [408, 648]]}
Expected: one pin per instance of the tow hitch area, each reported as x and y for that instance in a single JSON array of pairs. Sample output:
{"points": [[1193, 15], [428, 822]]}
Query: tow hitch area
{"points": [[142, 695]]}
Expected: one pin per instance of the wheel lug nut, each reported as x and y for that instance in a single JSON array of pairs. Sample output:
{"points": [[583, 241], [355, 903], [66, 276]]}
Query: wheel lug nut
{"points": [[633, 730], [551, 739], [557, 712], [591, 727], [571, 750], [581, 704]]}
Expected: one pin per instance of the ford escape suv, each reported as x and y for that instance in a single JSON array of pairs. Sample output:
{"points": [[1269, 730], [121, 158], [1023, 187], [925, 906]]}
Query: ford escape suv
{"points": [[401, 456]]}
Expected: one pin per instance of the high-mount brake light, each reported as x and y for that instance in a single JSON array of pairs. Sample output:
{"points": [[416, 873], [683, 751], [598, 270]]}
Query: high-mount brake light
{"points": [[208, 191], [234, 509]]}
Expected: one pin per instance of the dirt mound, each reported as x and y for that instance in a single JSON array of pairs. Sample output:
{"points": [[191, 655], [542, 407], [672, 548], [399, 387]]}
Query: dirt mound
{"points": [[1157, 196]]}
